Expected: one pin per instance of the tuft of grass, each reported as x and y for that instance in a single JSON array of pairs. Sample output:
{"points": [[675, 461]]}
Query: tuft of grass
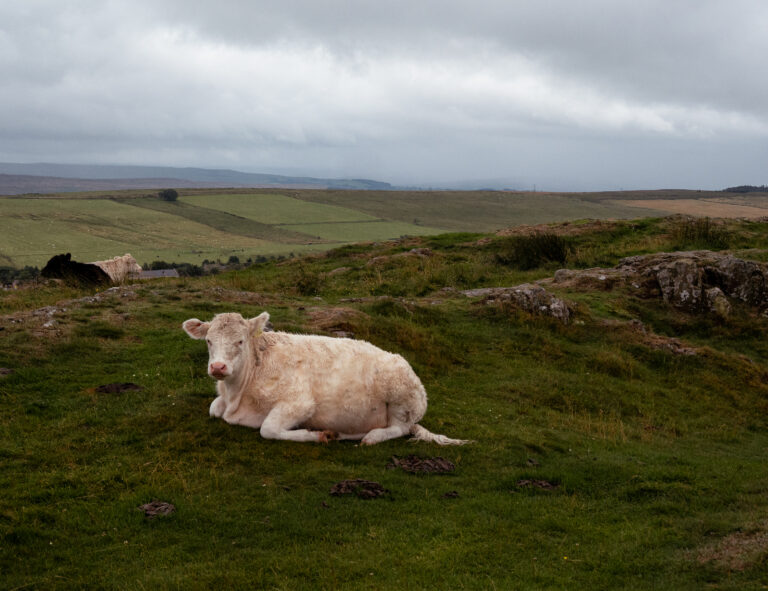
{"points": [[534, 250], [701, 233]]}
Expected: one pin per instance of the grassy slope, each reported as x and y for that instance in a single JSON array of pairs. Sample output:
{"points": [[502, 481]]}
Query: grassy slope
{"points": [[93, 229], [208, 224], [477, 211], [660, 459], [217, 224]]}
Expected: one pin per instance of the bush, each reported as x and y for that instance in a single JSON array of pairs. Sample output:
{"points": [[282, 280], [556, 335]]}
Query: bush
{"points": [[529, 252], [10, 274], [168, 194]]}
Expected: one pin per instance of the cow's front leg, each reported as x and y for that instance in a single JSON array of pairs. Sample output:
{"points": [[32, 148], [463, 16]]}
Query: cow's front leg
{"points": [[218, 407], [280, 423]]}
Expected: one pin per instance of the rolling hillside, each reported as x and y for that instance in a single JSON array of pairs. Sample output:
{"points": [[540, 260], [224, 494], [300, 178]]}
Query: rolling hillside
{"points": [[622, 449], [216, 223]]}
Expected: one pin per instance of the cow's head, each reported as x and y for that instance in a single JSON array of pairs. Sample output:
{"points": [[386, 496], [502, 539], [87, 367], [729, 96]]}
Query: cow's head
{"points": [[133, 267], [56, 266], [229, 339]]}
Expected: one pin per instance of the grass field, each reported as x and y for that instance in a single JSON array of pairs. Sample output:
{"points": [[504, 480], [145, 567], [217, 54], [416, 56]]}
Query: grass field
{"points": [[474, 211], [645, 469], [703, 207], [94, 229], [216, 224]]}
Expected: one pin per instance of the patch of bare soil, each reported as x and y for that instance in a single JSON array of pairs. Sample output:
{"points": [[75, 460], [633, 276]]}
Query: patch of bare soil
{"points": [[234, 296], [339, 322], [417, 465], [650, 339], [363, 489], [4, 371], [738, 551], [117, 388], [698, 207], [530, 483], [155, 508]]}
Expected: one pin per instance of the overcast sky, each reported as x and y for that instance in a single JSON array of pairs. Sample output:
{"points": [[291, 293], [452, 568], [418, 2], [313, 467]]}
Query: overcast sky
{"points": [[563, 94]]}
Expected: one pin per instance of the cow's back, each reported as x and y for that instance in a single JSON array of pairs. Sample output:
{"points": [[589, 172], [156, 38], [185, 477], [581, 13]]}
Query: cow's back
{"points": [[336, 373]]}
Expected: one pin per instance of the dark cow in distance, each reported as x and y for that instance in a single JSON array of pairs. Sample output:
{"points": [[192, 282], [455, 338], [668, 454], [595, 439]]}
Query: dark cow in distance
{"points": [[63, 267]]}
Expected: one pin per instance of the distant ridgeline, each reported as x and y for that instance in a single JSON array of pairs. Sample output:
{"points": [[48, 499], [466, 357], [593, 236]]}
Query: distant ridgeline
{"points": [[747, 189]]}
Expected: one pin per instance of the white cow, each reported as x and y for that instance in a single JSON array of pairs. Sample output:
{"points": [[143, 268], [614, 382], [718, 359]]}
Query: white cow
{"points": [[309, 387], [119, 268]]}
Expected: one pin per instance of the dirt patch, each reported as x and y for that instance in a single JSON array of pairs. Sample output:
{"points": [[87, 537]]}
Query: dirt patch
{"points": [[738, 551], [636, 331], [417, 465], [117, 388], [338, 322], [530, 483], [698, 207], [363, 489], [4, 371], [451, 494], [221, 294], [155, 508]]}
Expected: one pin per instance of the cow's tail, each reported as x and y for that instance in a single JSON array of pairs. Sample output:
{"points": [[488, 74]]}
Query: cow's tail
{"points": [[421, 434]]}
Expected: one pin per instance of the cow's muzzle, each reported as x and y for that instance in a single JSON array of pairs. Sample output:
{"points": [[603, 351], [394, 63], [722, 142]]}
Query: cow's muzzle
{"points": [[218, 370]]}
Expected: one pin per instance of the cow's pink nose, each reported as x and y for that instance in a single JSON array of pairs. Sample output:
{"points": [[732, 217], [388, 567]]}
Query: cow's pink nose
{"points": [[218, 367]]}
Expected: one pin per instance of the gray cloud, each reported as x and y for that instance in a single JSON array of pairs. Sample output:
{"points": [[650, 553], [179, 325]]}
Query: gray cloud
{"points": [[595, 94]]}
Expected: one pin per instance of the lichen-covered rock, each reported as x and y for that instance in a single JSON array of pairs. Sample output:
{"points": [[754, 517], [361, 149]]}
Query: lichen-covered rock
{"points": [[718, 303], [695, 281], [529, 297]]}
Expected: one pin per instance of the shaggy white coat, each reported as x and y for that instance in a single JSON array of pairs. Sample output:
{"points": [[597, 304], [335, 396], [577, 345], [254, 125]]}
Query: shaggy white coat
{"points": [[119, 268]]}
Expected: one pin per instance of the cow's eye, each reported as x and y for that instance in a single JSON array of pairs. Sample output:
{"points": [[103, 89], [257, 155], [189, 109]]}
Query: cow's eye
{"points": [[239, 343], [208, 341]]}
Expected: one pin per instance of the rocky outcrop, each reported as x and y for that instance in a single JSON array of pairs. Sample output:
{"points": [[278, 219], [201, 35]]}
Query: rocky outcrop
{"points": [[696, 281], [529, 297]]}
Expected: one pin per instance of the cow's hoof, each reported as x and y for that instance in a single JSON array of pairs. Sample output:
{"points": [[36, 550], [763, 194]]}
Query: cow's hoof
{"points": [[327, 436]]}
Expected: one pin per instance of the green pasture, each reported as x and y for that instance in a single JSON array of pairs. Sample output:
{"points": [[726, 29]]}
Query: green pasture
{"points": [[216, 224], [599, 461], [473, 211], [93, 229], [361, 231], [273, 208]]}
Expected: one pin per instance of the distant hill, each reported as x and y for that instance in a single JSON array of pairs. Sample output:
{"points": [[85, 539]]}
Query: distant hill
{"points": [[17, 179]]}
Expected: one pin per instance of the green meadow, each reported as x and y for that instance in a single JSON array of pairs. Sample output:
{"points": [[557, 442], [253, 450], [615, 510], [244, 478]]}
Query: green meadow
{"points": [[218, 224], [599, 460]]}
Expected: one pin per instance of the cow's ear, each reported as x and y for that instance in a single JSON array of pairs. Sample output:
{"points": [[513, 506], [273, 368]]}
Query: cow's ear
{"points": [[69, 256], [195, 328], [256, 325]]}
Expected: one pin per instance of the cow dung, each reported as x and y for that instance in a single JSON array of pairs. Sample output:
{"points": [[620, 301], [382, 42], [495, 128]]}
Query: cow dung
{"points": [[155, 508], [417, 465], [117, 388], [537, 484], [364, 489]]}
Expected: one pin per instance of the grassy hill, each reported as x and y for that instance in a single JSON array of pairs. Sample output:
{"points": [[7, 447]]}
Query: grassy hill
{"points": [[248, 223], [206, 224], [600, 460]]}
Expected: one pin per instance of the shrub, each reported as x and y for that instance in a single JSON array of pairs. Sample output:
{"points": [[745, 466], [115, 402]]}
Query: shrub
{"points": [[309, 283], [168, 194], [700, 233], [529, 252]]}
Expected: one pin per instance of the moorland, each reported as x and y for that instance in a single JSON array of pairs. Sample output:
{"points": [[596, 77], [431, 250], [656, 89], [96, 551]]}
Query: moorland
{"points": [[602, 458], [205, 224]]}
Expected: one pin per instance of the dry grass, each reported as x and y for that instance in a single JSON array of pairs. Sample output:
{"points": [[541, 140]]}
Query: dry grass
{"points": [[700, 207]]}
